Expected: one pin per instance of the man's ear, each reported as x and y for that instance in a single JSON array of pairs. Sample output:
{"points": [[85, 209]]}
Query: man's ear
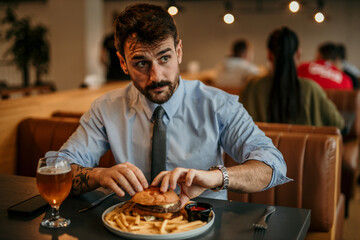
{"points": [[179, 51], [122, 63]]}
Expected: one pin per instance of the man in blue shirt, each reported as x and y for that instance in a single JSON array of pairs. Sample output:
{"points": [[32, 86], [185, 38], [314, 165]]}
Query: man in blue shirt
{"points": [[201, 123]]}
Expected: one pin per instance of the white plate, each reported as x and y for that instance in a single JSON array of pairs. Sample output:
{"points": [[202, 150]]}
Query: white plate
{"points": [[181, 235]]}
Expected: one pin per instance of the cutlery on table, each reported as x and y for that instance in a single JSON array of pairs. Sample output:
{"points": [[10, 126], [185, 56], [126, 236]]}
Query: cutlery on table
{"points": [[96, 202], [262, 223]]}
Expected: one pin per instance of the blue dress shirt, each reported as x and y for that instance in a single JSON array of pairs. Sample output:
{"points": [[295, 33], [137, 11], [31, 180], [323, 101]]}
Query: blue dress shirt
{"points": [[201, 121]]}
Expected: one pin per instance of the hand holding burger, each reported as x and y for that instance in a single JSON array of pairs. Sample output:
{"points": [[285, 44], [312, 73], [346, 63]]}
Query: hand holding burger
{"points": [[192, 182]]}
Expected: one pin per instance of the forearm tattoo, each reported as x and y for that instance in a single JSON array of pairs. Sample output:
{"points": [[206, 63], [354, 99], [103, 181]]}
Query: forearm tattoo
{"points": [[80, 182]]}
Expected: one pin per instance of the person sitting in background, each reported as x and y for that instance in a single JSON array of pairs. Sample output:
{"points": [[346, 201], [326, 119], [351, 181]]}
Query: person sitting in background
{"points": [[349, 69], [110, 60], [283, 97], [326, 69], [235, 70]]}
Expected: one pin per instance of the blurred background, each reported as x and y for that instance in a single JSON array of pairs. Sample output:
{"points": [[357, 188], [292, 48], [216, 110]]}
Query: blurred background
{"points": [[75, 31]]}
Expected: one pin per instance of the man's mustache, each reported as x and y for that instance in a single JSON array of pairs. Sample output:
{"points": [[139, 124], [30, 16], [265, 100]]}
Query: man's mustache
{"points": [[154, 85]]}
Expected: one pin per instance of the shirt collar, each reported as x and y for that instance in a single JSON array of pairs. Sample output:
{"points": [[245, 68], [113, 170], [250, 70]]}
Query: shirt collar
{"points": [[170, 107]]}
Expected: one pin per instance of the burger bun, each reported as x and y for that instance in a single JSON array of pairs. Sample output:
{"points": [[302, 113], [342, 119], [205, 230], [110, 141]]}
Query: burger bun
{"points": [[153, 196]]}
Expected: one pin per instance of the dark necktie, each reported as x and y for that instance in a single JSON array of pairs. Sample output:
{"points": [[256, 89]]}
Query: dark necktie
{"points": [[158, 154]]}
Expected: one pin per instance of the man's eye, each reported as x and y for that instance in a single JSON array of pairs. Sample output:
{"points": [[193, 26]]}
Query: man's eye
{"points": [[164, 59], [141, 64]]}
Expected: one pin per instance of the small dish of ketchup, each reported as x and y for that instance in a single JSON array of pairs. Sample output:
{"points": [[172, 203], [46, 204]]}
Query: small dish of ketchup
{"points": [[196, 208], [198, 211]]}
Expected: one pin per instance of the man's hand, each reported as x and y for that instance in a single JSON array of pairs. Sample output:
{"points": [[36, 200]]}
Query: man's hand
{"points": [[192, 182], [121, 178], [251, 176]]}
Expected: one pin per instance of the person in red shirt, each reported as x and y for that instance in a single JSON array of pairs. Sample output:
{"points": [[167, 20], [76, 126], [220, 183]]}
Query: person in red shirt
{"points": [[325, 69]]}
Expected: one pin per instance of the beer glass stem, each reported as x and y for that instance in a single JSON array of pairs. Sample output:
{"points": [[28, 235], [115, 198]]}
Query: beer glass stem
{"points": [[55, 212]]}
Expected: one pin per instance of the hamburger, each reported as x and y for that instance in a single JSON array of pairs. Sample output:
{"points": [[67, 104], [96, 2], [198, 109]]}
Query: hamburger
{"points": [[153, 203]]}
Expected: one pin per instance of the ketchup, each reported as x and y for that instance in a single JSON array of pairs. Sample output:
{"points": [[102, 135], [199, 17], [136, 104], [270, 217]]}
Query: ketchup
{"points": [[196, 208]]}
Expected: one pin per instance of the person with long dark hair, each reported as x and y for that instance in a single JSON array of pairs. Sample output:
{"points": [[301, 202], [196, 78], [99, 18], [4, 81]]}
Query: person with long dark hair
{"points": [[283, 97]]}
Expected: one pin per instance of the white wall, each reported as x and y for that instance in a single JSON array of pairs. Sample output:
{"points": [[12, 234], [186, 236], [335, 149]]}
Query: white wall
{"points": [[205, 37], [94, 31], [67, 40]]}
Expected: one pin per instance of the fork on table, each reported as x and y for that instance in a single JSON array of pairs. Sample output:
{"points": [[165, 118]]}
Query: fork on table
{"points": [[262, 225]]}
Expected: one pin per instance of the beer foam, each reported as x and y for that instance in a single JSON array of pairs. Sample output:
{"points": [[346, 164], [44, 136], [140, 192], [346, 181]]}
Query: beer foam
{"points": [[51, 170]]}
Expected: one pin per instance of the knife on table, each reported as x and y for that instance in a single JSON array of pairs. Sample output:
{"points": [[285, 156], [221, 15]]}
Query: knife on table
{"points": [[96, 202]]}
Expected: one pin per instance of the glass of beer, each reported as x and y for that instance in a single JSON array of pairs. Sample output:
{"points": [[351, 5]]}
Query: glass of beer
{"points": [[54, 181]]}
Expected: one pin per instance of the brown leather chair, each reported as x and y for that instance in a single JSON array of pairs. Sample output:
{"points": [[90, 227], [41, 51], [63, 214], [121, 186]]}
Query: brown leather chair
{"points": [[348, 103], [313, 161], [67, 114], [36, 136]]}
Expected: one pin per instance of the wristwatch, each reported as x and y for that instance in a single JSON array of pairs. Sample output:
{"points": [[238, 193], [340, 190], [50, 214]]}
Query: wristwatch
{"points": [[225, 174]]}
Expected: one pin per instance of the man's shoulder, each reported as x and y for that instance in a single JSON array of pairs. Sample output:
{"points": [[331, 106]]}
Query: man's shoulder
{"points": [[199, 90], [116, 95]]}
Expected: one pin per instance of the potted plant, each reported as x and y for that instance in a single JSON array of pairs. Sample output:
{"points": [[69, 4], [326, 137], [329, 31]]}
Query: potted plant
{"points": [[28, 45]]}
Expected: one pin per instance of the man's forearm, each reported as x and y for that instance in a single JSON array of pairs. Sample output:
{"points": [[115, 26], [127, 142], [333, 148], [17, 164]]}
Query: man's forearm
{"points": [[251, 176], [83, 179]]}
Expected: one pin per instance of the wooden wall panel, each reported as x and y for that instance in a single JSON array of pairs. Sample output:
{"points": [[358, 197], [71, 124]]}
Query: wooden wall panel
{"points": [[14, 110]]}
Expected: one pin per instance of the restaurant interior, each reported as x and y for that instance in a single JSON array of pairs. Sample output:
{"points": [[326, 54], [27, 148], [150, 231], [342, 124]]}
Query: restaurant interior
{"points": [[40, 104]]}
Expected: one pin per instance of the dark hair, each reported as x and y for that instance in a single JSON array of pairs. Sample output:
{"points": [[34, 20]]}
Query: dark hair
{"points": [[150, 23], [285, 94], [329, 51], [115, 14], [342, 51], [239, 48]]}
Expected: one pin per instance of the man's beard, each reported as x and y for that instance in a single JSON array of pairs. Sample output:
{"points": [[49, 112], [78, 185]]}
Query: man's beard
{"points": [[162, 97]]}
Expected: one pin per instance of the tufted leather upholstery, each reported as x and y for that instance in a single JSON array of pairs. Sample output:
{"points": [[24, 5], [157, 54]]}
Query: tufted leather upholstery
{"points": [[36, 136], [349, 102], [312, 155]]}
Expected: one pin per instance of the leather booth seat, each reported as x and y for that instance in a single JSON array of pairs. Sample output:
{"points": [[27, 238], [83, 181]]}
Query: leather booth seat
{"points": [[67, 114], [312, 155], [36, 136], [348, 103], [312, 159]]}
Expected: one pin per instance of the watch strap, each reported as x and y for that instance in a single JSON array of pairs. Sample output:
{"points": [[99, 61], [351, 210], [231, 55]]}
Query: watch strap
{"points": [[225, 177]]}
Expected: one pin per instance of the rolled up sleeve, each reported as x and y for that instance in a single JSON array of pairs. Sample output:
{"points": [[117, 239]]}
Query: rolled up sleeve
{"points": [[243, 140]]}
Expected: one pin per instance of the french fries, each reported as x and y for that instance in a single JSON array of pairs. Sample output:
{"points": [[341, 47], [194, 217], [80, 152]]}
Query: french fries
{"points": [[122, 218]]}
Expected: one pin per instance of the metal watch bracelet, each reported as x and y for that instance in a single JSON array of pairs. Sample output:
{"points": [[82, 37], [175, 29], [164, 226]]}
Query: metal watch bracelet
{"points": [[225, 177]]}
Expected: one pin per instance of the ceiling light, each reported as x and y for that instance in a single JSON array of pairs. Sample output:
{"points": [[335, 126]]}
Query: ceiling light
{"points": [[319, 17], [172, 10], [229, 18], [294, 6]]}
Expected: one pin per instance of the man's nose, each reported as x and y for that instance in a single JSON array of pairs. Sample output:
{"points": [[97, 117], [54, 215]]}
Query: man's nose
{"points": [[155, 73]]}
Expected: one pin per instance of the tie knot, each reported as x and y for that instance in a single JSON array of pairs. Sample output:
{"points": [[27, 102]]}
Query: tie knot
{"points": [[159, 113]]}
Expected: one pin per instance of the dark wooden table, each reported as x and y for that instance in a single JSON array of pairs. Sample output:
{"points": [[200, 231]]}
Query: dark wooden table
{"points": [[233, 219]]}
